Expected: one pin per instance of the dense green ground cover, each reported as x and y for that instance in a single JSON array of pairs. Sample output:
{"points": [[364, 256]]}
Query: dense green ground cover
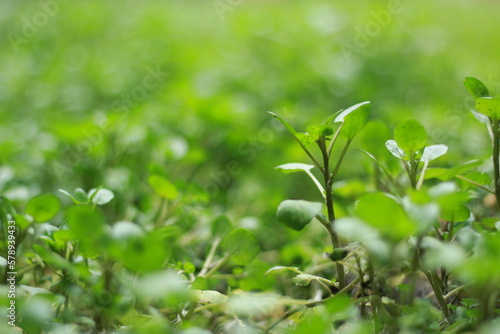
{"points": [[163, 105]]}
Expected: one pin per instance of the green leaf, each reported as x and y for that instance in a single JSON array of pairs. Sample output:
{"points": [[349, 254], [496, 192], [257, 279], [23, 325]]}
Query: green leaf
{"points": [[475, 87], [209, 297], [393, 147], [101, 196], [373, 138], [144, 254], [297, 214], [241, 245], [354, 119], [313, 133], [385, 214], [221, 225], [189, 268], [305, 279], [85, 222], [489, 106], [279, 269], [287, 125], [433, 152], [163, 187], [444, 174], [81, 196], [294, 167], [455, 213], [410, 136], [43, 207]]}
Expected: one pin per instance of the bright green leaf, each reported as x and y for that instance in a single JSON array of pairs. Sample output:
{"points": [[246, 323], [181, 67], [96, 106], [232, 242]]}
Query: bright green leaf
{"points": [[163, 187], [297, 214], [489, 106], [43, 207], [85, 222], [287, 125], [144, 254], [447, 174], [475, 87], [410, 136], [385, 214], [455, 213], [354, 119]]}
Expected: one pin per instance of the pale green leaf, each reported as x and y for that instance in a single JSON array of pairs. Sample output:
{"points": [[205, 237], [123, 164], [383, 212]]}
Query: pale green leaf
{"points": [[433, 152], [296, 214]]}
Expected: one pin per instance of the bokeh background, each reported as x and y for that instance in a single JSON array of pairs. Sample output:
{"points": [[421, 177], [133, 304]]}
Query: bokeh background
{"points": [[107, 92]]}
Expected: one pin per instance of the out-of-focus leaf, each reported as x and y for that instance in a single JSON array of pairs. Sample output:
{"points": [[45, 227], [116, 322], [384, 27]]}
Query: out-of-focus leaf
{"points": [[242, 246], [385, 214], [209, 297], [163, 187], [43, 207], [101, 196]]}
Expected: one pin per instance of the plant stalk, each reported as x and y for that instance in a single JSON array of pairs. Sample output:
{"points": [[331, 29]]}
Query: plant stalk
{"points": [[496, 163], [329, 205]]}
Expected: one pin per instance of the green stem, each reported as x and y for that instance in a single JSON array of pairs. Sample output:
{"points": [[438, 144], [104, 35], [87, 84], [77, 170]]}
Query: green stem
{"points": [[438, 293], [329, 205], [339, 161], [461, 177], [210, 257], [334, 139], [496, 163], [308, 305], [217, 265]]}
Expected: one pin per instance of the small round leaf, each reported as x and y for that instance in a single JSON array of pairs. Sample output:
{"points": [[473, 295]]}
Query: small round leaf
{"points": [[43, 207], [297, 214], [410, 136]]}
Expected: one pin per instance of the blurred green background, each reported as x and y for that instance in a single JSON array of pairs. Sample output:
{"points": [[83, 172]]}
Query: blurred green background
{"points": [[106, 92]]}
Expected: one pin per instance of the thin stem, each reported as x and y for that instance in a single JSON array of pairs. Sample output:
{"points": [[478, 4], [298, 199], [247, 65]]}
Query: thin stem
{"points": [[210, 257], [452, 292], [496, 163], [308, 305], [328, 183], [334, 139], [438, 293], [217, 265], [422, 175], [316, 182], [339, 161], [461, 177], [329, 205]]}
